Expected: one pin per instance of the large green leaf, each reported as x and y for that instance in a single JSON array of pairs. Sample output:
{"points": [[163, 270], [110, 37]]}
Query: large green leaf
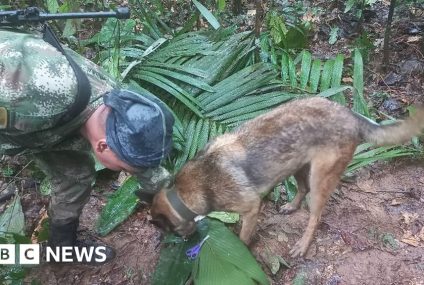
{"points": [[224, 259], [12, 219], [236, 86], [365, 156], [119, 207], [284, 67], [11, 231], [315, 75], [109, 31], [52, 6], [213, 269], [359, 103], [326, 75], [172, 88], [180, 76], [225, 217], [207, 14], [174, 268], [305, 68], [337, 77]]}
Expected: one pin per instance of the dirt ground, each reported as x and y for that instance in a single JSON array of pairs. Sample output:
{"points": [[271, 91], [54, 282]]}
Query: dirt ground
{"points": [[360, 237], [370, 234]]}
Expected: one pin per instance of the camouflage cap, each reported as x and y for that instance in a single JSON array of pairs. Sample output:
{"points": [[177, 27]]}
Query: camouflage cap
{"points": [[138, 128]]}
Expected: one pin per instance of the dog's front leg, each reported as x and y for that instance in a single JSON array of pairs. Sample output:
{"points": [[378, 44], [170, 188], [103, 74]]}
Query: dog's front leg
{"points": [[249, 221]]}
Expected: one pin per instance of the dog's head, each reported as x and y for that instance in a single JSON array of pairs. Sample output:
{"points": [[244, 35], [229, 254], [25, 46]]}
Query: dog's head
{"points": [[167, 218]]}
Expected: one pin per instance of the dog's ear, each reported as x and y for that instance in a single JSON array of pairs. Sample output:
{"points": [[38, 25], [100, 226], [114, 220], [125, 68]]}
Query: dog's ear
{"points": [[144, 197]]}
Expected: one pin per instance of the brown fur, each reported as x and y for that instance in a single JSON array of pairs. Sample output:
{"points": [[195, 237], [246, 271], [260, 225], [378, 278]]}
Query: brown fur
{"points": [[313, 139]]}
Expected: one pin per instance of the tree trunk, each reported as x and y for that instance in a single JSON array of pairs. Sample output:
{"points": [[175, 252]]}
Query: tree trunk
{"points": [[387, 35], [259, 17], [237, 7], [258, 23]]}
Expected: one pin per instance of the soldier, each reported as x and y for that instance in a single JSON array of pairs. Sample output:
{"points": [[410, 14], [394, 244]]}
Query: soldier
{"points": [[39, 88]]}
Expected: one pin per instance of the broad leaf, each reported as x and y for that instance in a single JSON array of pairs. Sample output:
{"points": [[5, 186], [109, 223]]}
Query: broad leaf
{"points": [[305, 68], [52, 6], [12, 219], [337, 77], [174, 268], [11, 231], [207, 14], [119, 207], [359, 103], [224, 259], [225, 217]]}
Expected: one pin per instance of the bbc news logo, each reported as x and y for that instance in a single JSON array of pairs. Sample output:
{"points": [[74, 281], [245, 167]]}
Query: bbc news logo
{"points": [[30, 254]]}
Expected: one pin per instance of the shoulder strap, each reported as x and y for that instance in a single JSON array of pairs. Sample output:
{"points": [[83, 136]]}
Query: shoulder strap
{"points": [[83, 89]]}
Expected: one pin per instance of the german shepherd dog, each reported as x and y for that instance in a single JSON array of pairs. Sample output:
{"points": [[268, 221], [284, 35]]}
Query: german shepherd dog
{"points": [[313, 139]]}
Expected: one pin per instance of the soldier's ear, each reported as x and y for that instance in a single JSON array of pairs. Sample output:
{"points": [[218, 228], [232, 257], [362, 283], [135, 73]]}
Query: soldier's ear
{"points": [[146, 198], [101, 145]]}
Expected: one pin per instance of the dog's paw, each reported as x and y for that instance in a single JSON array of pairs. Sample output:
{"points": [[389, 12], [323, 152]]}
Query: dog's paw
{"points": [[287, 209], [299, 249]]}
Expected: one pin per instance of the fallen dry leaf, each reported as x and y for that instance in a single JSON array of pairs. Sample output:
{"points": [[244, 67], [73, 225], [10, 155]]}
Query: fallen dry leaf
{"points": [[409, 217], [411, 241], [347, 80], [44, 215], [414, 39], [396, 202], [282, 237]]}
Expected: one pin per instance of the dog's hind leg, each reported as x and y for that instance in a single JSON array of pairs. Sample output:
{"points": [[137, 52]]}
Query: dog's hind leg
{"points": [[326, 169], [250, 219], [302, 179]]}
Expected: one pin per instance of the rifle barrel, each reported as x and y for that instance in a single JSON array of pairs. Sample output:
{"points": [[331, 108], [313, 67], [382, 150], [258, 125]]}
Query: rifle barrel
{"points": [[34, 15], [120, 13]]}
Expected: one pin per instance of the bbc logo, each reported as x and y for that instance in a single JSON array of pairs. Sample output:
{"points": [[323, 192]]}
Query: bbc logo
{"points": [[28, 253]]}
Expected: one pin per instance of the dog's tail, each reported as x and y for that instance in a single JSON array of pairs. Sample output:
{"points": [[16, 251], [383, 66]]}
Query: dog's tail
{"points": [[396, 133]]}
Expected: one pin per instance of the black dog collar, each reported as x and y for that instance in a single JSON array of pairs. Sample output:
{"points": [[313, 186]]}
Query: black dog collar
{"points": [[179, 206]]}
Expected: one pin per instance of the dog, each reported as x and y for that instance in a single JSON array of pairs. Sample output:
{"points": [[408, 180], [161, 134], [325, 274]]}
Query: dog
{"points": [[313, 139]]}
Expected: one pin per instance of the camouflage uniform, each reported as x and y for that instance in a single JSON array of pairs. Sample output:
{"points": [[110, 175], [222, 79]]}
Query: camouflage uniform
{"points": [[37, 84]]}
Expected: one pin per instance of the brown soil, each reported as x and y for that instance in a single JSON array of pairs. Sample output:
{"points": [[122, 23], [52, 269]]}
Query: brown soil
{"points": [[360, 237]]}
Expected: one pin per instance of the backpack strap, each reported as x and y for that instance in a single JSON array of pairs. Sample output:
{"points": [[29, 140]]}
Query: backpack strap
{"points": [[83, 84]]}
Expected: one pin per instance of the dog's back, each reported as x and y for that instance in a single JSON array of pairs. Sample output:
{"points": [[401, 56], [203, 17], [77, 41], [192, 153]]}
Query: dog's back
{"points": [[278, 143], [267, 149]]}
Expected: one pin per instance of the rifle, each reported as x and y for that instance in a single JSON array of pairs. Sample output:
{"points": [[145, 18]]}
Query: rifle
{"points": [[34, 15]]}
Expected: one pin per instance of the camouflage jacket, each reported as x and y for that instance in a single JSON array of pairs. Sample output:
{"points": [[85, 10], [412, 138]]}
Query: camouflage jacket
{"points": [[38, 84]]}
